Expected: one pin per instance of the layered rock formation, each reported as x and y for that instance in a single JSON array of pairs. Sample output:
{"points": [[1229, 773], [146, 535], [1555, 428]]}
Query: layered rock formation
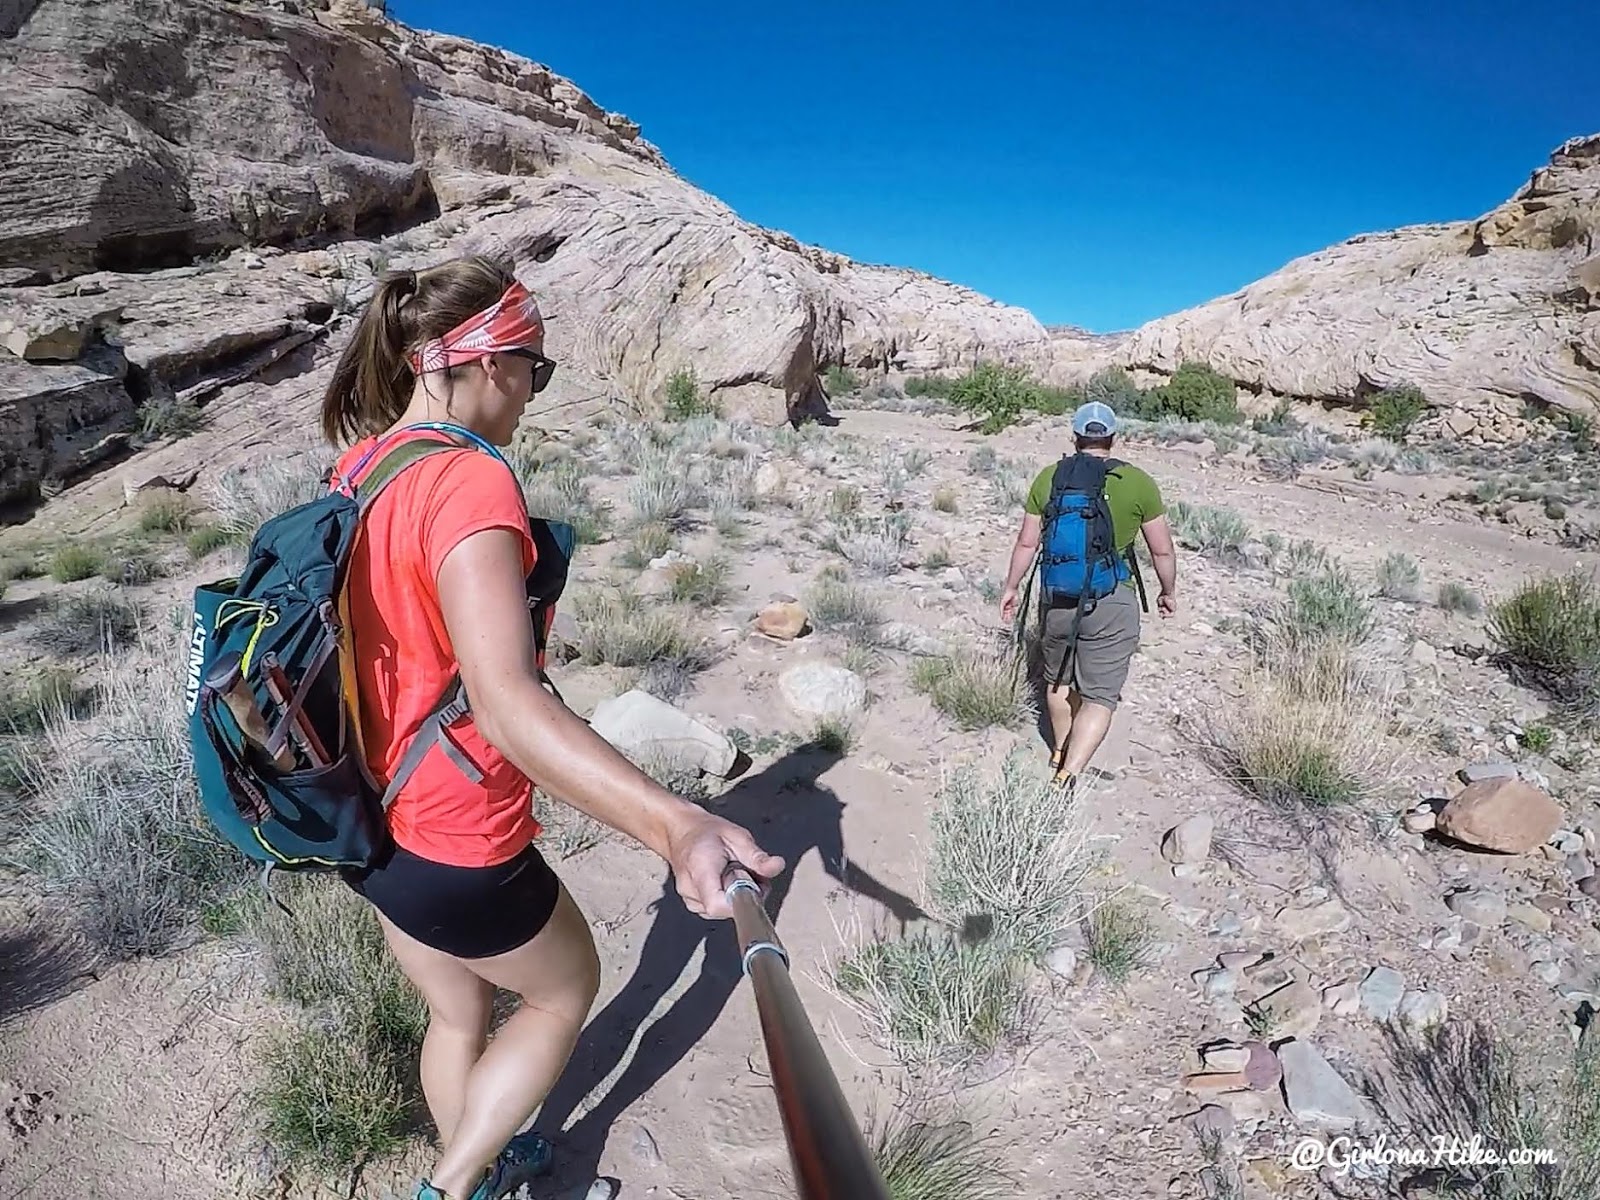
{"points": [[159, 135], [195, 195], [1484, 315]]}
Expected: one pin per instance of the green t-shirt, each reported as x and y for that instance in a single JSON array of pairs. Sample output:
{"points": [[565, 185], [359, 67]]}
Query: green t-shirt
{"points": [[1131, 495]]}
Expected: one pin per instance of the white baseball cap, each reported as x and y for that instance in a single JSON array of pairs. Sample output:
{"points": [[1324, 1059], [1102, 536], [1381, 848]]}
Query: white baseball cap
{"points": [[1094, 419]]}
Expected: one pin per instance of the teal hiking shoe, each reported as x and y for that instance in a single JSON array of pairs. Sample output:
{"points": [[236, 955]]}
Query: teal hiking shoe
{"points": [[525, 1157]]}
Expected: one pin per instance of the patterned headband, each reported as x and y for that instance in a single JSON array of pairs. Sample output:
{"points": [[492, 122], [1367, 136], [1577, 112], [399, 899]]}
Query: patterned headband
{"points": [[511, 322]]}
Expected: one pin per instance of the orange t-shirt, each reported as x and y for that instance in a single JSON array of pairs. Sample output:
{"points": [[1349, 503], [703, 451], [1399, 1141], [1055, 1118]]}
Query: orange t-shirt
{"points": [[404, 658]]}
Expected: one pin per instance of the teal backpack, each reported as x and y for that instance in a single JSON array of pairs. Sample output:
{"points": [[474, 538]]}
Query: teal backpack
{"points": [[271, 696]]}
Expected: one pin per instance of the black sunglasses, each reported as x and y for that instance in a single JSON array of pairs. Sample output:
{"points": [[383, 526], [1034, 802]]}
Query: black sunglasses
{"points": [[543, 368]]}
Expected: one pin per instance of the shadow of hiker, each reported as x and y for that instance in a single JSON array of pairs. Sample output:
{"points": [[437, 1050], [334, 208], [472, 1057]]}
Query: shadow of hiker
{"points": [[40, 963], [790, 815]]}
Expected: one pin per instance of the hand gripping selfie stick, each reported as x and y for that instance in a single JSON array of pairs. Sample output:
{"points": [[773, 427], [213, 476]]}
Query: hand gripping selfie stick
{"points": [[829, 1153]]}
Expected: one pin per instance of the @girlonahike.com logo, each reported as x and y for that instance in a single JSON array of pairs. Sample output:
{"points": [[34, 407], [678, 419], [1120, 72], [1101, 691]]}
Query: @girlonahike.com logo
{"points": [[1344, 1154]]}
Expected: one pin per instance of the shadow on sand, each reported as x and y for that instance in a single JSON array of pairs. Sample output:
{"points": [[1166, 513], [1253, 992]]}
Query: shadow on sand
{"points": [[790, 814]]}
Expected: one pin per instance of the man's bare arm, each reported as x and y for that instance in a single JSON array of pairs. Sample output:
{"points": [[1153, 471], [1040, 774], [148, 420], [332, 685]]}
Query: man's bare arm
{"points": [[1164, 555]]}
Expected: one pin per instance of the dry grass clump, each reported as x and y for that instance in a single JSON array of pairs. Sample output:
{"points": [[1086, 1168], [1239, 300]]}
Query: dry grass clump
{"points": [[931, 997], [87, 622], [976, 688], [876, 544], [167, 512], [1219, 532], [1003, 881], [664, 489], [1465, 1082], [336, 1084], [922, 1157], [1459, 598], [1311, 730], [847, 608], [1399, 577], [245, 498], [1009, 852], [703, 584], [620, 628], [561, 492], [116, 835], [648, 543]]}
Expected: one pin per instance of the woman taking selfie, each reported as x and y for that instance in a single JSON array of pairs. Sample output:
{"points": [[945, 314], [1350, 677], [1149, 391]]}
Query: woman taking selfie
{"points": [[467, 904]]}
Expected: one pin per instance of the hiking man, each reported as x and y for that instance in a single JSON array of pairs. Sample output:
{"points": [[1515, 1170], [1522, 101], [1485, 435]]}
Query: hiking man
{"points": [[1085, 509]]}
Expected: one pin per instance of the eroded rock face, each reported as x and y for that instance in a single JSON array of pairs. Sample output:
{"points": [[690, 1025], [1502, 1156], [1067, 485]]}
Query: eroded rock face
{"points": [[1481, 315], [141, 134]]}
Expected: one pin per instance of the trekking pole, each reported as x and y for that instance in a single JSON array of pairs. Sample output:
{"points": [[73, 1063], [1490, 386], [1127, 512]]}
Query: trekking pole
{"points": [[826, 1147]]}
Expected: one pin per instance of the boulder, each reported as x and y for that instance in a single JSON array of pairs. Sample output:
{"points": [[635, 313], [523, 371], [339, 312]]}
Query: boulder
{"points": [[1380, 993], [783, 620], [1189, 841], [42, 333], [1315, 1092], [1421, 1010], [819, 690], [1504, 814], [644, 726], [1291, 1011]]}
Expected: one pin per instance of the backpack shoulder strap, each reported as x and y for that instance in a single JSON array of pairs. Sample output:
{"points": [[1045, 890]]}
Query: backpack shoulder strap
{"points": [[388, 468]]}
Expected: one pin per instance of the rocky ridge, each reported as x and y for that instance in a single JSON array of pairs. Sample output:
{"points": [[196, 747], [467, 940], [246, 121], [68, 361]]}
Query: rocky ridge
{"points": [[1485, 316]]}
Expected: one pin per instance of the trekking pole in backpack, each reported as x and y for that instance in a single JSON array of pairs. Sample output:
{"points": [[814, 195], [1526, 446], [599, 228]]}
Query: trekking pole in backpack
{"points": [[826, 1148]]}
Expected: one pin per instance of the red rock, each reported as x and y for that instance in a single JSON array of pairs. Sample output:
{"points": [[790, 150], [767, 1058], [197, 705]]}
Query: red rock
{"points": [[1508, 815]]}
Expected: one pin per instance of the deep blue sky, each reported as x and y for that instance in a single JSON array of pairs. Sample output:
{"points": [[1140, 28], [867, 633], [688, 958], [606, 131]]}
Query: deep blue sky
{"points": [[1100, 164]]}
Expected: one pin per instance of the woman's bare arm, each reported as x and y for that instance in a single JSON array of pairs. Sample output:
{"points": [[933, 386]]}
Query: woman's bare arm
{"points": [[486, 613]]}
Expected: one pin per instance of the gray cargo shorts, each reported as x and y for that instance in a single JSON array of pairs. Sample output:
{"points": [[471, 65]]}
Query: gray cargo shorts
{"points": [[1108, 634]]}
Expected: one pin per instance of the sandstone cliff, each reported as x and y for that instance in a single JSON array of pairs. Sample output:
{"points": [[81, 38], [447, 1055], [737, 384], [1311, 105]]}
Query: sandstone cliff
{"points": [[1484, 315], [156, 154]]}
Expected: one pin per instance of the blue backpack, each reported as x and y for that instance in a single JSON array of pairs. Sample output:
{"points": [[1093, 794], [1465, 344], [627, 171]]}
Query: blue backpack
{"points": [[1078, 558], [271, 695]]}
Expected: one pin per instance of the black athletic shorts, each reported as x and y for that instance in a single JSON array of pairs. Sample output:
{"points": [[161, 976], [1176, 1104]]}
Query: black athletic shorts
{"points": [[468, 912]]}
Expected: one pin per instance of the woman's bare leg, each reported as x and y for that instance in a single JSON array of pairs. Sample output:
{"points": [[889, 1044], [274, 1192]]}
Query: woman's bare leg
{"points": [[557, 974], [460, 1005]]}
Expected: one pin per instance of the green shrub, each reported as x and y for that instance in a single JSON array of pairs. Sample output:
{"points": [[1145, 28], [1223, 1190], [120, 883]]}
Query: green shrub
{"points": [[75, 561], [684, 399], [1001, 394], [207, 538], [1549, 631], [1394, 411], [703, 584], [848, 608], [1197, 393], [1328, 606], [1118, 938], [337, 1080], [841, 381], [167, 513], [1113, 387]]}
